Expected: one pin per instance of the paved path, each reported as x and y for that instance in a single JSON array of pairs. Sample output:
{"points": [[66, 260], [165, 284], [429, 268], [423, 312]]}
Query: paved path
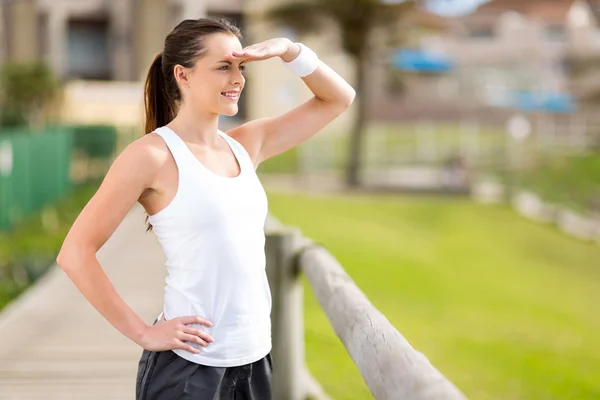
{"points": [[55, 345]]}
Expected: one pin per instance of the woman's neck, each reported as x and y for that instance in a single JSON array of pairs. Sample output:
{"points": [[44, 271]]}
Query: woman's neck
{"points": [[196, 127]]}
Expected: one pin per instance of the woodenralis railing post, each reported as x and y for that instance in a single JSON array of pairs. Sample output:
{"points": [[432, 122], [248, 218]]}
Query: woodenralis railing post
{"points": [[287, 325]]}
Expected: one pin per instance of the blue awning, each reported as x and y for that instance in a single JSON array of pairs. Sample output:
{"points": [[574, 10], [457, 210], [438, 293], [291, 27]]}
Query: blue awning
{"points": [[544, 101], [421, 61]]}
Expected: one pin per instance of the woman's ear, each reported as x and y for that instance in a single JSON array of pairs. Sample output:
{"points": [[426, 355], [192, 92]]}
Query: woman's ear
{"points": [[181, 76]]}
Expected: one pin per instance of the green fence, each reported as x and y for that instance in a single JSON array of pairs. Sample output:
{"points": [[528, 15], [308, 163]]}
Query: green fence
{"points": [[95, 141], [34, 171]]}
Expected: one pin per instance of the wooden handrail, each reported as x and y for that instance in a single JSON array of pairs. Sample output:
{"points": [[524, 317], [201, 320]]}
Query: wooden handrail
{"points": [[390, 366]]}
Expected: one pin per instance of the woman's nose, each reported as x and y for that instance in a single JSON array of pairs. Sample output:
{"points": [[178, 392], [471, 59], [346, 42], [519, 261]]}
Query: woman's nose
{"points": [[237, 78]]}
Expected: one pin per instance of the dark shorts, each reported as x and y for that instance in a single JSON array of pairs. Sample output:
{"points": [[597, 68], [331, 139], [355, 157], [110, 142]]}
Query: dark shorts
{"points": [[163, 375]]}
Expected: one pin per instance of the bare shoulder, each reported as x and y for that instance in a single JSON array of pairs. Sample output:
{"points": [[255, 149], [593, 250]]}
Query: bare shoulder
{"points": [[151, 146], [131, 174], [140, 162], [150, 150]]}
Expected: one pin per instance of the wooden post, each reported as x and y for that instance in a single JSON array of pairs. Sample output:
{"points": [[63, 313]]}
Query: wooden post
{"points": [[286, 315], [390, 366]]}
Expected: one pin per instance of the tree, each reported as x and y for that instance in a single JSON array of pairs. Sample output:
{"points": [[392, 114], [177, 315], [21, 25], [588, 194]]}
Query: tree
{"points": [[358, 21]]}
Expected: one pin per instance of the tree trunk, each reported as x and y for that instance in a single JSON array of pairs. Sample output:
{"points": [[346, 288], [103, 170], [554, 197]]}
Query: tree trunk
{"points": [[356, 138]]}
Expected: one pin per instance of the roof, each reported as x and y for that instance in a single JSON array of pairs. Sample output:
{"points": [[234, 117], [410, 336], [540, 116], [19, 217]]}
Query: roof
{"points": [[547, 10], [429, 20]]}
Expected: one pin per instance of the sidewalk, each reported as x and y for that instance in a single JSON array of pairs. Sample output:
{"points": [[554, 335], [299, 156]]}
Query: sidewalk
{"points": [[55, 345]]}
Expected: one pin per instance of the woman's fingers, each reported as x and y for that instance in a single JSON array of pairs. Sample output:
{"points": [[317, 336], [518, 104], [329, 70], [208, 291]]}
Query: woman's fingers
{"points": [[192, 338], [192, 319], [242, 56], [198, 332], [183, 346], [250, 54], [243, 53]]}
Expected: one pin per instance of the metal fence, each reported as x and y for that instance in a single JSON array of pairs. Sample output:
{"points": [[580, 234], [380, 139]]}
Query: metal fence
{"points": [[34, 171], [37, 167]]}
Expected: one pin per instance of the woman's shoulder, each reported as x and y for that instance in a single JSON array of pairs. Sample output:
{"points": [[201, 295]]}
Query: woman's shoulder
{"points": [[150, 150]]}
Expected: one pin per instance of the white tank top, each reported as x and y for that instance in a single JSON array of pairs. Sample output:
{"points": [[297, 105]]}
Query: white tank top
{"points": [[212, 235]]}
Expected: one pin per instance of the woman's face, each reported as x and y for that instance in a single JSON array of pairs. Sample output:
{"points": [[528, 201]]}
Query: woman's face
{"points": [[214, 84]]}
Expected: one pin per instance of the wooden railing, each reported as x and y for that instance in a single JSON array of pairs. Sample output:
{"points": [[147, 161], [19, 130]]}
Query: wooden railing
{"points": [[389, 365]]}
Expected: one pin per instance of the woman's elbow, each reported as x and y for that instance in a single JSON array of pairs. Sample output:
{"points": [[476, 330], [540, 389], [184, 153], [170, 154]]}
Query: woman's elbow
{"points": [[349, 97], [64, 258], [71, 255]]}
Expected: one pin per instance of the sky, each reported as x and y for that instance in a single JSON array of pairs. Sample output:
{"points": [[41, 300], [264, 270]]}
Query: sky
{"points": [[453, 7]]}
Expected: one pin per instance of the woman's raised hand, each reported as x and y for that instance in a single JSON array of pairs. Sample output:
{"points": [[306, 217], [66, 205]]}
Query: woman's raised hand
{"points": [[262, 51]]}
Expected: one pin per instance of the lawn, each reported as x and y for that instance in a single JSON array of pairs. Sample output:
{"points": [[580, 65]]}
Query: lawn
{"points": [[505, 308]]}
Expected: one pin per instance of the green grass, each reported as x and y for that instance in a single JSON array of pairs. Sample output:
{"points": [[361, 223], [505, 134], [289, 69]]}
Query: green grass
{"points": [[505, 308], [283, 163], [572, 181], [32, 246]]}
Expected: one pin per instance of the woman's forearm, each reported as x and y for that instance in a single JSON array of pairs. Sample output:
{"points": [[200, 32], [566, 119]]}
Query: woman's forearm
{"points": [[87, 274], [326, 84]]}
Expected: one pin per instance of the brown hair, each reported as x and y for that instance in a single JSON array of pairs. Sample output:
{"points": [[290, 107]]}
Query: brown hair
{"points": [[183, 46]]}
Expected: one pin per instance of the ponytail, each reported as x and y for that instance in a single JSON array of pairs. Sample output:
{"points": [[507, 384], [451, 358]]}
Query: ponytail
{"points": [[159, 103]]}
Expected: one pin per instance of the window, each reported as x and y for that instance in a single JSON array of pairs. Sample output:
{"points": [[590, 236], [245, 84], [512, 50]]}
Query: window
{"points": [[87, 49], [176, 9], [5, 32], [42, 34], [481, 33]]}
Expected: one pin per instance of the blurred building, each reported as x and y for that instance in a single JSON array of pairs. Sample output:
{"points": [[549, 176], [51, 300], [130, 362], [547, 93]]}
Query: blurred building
{"points": [[413, 79], [510, 46], [103, 48], [507, 54], [95, 41], [595, 7], [99, 39]]}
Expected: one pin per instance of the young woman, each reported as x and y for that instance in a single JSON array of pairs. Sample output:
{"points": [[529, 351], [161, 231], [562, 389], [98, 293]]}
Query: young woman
{"points": [[207, 208]]}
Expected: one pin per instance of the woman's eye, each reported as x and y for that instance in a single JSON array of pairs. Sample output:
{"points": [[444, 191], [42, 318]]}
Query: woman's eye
{"points": [[226, 67]]}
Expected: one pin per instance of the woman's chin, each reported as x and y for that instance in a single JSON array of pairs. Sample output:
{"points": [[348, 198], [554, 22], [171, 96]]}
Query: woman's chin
{"points": [[230, 111]]}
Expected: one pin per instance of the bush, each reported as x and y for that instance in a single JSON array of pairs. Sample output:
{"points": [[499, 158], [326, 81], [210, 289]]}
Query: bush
{"points": [[573, 180], [25, 89]]}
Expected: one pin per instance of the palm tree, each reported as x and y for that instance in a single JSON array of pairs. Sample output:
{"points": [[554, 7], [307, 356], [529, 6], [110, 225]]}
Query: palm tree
{"points": [[357, 21]]}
